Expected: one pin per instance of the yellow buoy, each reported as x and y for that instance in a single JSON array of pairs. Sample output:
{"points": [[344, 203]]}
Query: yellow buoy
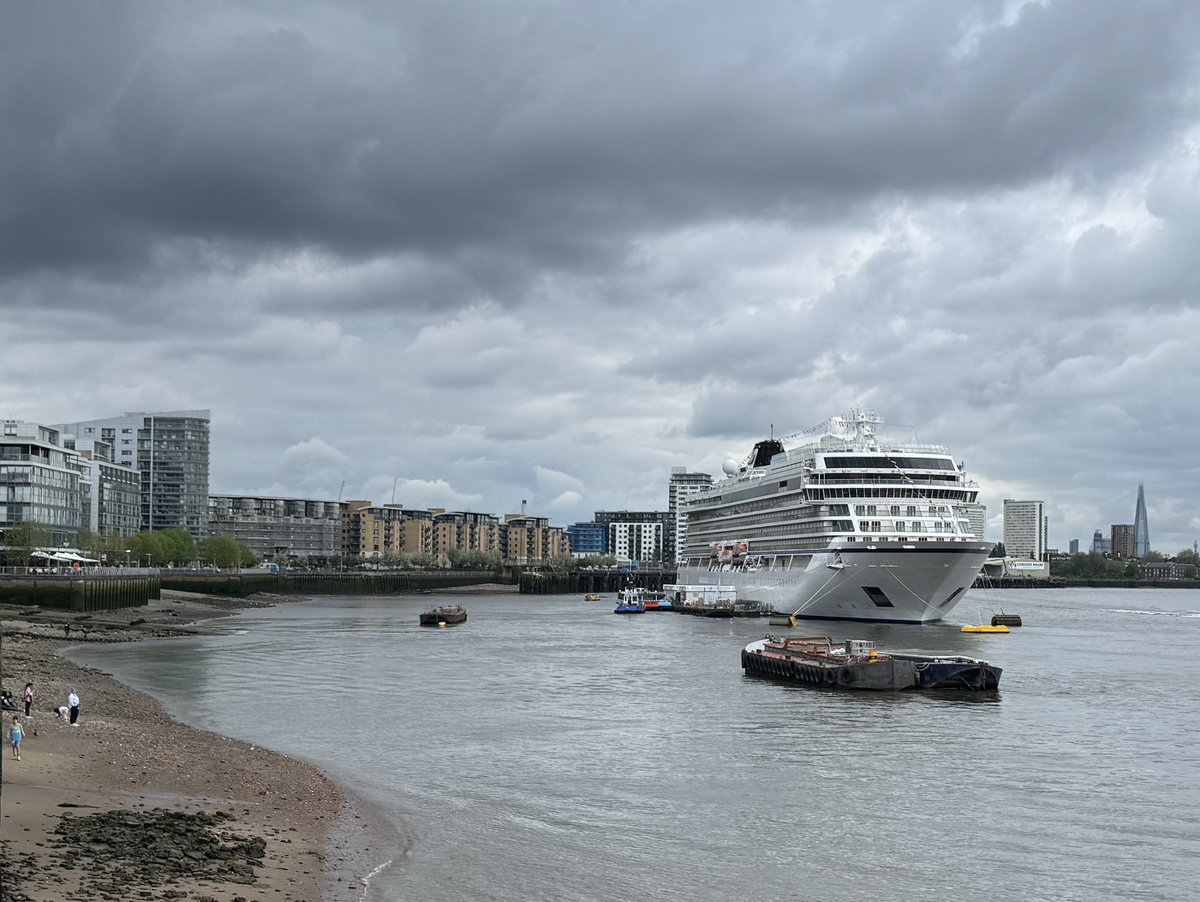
{"points": [[969, 628]]}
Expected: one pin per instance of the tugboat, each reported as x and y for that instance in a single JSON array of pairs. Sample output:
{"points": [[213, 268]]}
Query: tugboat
{"points": [[631, 600], [856, 664], [952, 672], [630, 605], [444, 616]]}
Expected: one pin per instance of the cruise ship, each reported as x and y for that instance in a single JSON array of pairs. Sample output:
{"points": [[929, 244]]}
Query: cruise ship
{"points": [[843, 525]]}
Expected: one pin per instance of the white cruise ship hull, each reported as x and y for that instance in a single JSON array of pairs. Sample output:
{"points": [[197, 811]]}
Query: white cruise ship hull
{"points": [[881, 583]]}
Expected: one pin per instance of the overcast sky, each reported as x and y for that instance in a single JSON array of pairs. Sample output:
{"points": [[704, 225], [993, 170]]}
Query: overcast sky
{"points": [[544, 251]]}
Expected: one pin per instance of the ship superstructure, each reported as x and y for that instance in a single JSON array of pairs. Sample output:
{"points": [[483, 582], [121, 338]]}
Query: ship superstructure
{"points": [[844, 524]]}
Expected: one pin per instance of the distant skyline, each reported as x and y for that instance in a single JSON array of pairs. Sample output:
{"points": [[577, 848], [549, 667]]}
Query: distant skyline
{"points": [[547, 252]]}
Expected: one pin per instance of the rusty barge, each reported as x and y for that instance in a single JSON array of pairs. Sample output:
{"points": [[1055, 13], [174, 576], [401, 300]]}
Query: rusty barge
{"points": [[857, 664]]}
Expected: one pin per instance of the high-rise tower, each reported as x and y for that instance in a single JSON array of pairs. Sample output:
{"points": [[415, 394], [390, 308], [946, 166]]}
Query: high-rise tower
{"points": [[1025, 529], [169, 451], [683, 485], [1141, 528]]}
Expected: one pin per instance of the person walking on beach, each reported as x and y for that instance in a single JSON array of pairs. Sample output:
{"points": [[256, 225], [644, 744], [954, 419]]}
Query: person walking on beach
{"points": [[73, 704], [28, 699], [16, 733]]}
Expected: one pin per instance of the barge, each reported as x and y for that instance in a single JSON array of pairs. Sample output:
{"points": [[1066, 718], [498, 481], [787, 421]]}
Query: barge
{"points": [[857, 664], [454, 613]]}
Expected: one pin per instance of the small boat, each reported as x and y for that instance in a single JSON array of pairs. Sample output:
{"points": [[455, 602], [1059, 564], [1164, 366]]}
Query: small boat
{"points": [[654, 601], [631, 600], [592, 596], [444, 616], [984, 628]]}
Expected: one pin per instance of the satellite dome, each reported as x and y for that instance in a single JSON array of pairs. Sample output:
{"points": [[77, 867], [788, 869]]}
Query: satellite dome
{"points": [[730, 467]]}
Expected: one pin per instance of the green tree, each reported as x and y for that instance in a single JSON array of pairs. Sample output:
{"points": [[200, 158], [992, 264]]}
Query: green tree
{"points": [[178, 546], [1187, 556], [998, 550], [222, 551], [22, 540]]}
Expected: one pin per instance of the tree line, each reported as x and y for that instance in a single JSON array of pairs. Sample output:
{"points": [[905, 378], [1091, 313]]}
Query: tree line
{"points": [[162, 548]]}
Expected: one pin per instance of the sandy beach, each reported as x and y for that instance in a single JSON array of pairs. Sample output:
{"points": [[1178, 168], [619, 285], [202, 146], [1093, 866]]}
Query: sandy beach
{"points": [[132, 804]]}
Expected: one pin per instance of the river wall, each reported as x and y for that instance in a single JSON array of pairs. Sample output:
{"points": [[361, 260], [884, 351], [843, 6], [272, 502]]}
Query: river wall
{"points": [[589, 581], [240, 585], [80, 593]]}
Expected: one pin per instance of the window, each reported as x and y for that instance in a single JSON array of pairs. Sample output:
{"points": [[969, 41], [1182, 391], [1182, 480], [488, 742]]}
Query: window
{"points": [[899, 526], [862, 525]]}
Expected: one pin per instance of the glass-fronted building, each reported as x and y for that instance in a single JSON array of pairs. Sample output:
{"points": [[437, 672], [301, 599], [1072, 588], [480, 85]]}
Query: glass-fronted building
{"points": [[170, 452], [39, 481]]}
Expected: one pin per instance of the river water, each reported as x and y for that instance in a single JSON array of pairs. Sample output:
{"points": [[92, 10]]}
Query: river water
{"points": [[548, 749]]}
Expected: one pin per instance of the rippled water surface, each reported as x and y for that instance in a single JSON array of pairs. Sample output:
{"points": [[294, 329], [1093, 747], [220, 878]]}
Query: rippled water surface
{"points": [[548, 749]]}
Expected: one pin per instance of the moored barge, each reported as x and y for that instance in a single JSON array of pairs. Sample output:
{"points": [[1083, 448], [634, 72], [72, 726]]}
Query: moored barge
{"points": [[856, 664], [454, 613]]}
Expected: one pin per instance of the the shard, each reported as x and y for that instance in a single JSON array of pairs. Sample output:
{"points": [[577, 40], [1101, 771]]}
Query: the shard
{"points": [[1141, 529]]}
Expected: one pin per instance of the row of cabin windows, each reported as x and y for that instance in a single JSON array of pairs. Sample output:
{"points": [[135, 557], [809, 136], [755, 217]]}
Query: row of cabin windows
{"points": [[905, 526], [910, 510]]}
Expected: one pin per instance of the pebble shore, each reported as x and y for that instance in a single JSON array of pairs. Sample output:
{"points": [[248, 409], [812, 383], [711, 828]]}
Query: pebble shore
{"points": [[130, 804]]}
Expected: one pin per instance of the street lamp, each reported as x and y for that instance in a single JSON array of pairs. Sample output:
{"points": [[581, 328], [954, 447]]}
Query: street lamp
{"points": [[128, 551]]}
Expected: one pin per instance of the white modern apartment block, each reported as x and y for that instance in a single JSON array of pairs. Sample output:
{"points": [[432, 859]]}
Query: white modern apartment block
{"points": [[636, 541], [39, 481], [169, 450], [111, 493], [683, 485], [976, 515], [1025, 529]]}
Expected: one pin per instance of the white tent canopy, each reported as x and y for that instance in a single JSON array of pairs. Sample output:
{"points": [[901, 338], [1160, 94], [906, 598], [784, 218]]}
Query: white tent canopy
{"points": [[64, 557]]}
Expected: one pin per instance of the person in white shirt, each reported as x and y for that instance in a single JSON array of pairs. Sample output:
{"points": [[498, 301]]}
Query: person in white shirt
{"points": [[73, 704]]}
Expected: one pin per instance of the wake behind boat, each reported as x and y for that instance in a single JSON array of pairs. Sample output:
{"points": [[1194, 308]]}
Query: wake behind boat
{"points": [[844, 525]]}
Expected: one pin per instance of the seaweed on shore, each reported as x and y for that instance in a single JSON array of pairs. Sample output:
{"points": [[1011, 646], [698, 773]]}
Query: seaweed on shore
{"points": [[121, 848]]}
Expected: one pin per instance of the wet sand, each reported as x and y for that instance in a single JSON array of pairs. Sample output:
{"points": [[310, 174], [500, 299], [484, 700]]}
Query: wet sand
{"points": [[127, 755]]}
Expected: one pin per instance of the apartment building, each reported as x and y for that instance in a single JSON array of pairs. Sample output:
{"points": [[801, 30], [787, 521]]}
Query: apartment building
{"points": [[587, 539], [40, 481], [111, 493], [682, 486], [465, 531], [525, 539], [1124, 541], [383, 531], [1025, 529], [170, 452], [636, 535], [278, 529]]}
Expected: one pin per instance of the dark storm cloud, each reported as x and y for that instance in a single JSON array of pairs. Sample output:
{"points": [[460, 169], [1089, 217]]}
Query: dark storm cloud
{"points": [[546, 134]]}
